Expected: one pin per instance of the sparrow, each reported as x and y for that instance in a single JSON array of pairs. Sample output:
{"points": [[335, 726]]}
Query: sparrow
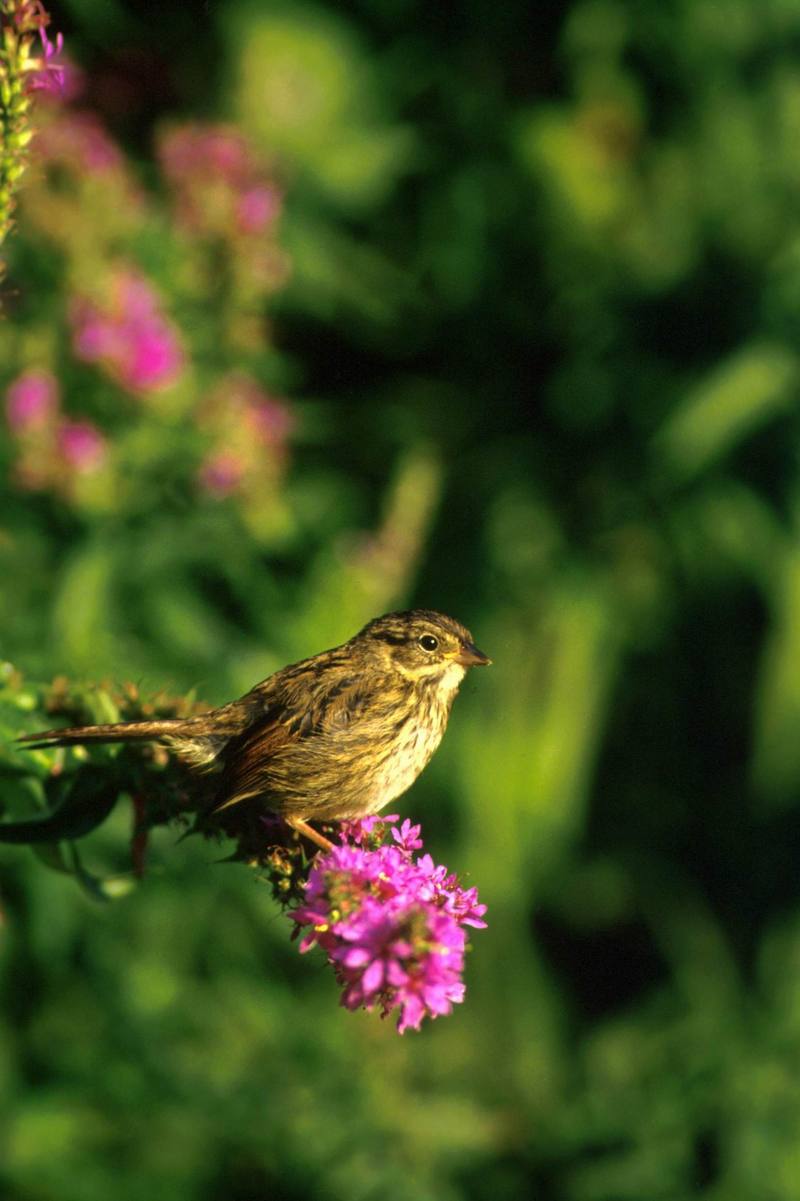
{"points": [[332, 738]]}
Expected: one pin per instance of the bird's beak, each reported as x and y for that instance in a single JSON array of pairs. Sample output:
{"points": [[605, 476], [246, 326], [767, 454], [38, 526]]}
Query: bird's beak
{"points": [[470, 656]]}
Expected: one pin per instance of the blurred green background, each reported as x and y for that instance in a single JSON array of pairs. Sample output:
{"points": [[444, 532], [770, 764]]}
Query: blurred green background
{"points": [[526, 331]]}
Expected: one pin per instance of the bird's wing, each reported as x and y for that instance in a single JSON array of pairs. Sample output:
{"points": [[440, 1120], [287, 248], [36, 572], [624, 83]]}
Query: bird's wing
{"points": [[294, 708]]}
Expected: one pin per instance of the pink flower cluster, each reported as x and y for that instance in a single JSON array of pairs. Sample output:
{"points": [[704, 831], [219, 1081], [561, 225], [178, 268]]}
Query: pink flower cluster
{"points": [[220, 185], [250, 429], [25, 17], [32, 401], [49, 76], [80, 142], [128, 334], [81, 445], [391, 922], [52, 448]]}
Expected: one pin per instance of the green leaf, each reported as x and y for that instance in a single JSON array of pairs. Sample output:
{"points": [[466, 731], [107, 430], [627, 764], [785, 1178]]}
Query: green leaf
{"points": [[97, 887], [87, 804], [743, 393]]}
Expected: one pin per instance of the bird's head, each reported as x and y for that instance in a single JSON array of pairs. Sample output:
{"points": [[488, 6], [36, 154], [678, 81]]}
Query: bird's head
{"points": [[421, 644]]}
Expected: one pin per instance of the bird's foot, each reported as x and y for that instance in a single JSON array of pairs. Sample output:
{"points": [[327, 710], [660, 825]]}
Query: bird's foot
{"points": [[302, 827]]}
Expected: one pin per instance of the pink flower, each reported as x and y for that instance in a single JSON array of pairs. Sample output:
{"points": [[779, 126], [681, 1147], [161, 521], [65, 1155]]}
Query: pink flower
{"points": [[218, 151], [48, 76], [79, 142], [224, 151], [154, 359], [32, 401], [129, 336], [257, 207], [81, 445], [392, 925], [221, 186]]}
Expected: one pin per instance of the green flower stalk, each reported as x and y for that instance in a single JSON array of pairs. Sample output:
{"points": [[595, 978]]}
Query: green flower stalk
{"points": [[26, 65]]}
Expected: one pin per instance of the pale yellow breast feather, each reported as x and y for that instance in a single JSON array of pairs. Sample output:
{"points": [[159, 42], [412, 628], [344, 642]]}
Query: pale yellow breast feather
{"points": [[416, 742]]}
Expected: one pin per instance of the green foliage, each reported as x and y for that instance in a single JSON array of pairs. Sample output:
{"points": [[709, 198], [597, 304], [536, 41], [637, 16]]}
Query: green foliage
{"points": [[58, 796], [529, 316]]}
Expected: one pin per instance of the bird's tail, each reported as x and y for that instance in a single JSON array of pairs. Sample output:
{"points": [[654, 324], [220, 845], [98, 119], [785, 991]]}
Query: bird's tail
{"points": [[155, 730], [196, 740]]}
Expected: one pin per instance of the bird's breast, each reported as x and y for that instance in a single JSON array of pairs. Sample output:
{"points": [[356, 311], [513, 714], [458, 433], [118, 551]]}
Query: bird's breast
{"points": [[403, 759]]}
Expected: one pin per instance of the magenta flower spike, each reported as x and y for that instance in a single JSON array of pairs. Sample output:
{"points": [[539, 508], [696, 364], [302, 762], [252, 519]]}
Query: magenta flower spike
{"points": [[50, 75], [391, 923]]}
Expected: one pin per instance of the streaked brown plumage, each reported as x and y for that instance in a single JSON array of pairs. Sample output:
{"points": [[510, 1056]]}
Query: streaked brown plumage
{"points": [[334, 737]]}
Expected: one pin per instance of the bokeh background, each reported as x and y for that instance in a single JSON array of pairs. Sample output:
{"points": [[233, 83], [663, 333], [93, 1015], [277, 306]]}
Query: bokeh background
{"points": [[313, 311]]}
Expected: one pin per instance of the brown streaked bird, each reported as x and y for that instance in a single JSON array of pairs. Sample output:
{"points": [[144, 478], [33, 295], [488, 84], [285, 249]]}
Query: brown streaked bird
{"points": [[334, 737]]}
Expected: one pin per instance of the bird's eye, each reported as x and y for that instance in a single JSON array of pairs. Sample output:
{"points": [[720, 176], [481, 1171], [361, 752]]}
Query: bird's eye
{"points": [[428, 642]]}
